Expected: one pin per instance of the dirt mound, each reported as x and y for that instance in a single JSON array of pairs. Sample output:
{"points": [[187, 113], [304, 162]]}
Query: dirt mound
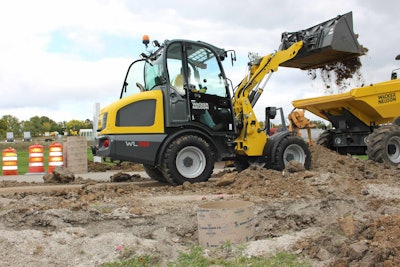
{"points": [[108, 166]]}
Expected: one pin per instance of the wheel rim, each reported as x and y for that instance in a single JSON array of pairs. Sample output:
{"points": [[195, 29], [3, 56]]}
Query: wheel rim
{"points": [[393, 149], [294, 152], [190, 162]]}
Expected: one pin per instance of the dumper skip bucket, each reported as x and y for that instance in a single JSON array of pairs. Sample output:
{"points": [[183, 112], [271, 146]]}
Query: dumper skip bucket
{"points": [[325, 43]]}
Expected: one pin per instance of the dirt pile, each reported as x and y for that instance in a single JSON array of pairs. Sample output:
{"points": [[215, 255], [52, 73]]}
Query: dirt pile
{"points": [[103, 167], [342, 212]]}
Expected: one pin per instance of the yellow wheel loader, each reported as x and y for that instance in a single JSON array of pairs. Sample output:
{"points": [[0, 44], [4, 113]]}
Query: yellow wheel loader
{"points": [[365, 120], [178, 113]]}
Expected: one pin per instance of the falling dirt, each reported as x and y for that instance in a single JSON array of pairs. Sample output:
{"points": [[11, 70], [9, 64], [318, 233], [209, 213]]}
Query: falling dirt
{"points": [[342, 212], [339, 76]]}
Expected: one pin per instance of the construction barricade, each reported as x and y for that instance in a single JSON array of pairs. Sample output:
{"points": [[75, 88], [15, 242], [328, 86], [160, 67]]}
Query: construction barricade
{"points": [[36, 159], [10, 161], [55, 156]]}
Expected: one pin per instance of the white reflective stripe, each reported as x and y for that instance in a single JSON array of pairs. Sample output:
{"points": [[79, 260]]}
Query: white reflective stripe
{"points": [[55, 153], [56, 163], [36, 155], [36, 164], [9, 158], [10, 168]]}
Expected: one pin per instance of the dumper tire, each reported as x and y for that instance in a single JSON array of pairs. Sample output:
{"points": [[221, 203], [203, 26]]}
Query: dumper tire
{"points": [[325, 139], [154, 173], [397, 121], [291, 148], [383, 145], [188, 158]]}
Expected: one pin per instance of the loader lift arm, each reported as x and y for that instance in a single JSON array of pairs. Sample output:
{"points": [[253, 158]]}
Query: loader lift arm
{"points": [[259, 68], [251, 137]]}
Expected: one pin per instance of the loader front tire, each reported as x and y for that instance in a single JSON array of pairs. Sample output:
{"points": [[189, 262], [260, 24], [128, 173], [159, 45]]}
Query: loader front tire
{"points": [[383, 145], [188, 158], [291, 148]]}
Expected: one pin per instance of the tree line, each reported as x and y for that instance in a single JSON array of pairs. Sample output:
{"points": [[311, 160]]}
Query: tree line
{"points": [[37, 126]]}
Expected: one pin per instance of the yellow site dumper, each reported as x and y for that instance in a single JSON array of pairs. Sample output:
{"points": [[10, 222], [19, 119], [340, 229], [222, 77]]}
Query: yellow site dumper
{"points": [[365, 120]]}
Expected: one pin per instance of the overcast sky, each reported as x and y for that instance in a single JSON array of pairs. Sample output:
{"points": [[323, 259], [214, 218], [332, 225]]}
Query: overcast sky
{"points": [[58, 58]]}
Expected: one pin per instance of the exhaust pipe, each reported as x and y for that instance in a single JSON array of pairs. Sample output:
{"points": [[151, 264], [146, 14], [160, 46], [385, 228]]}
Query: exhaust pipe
{"points": [[325, 43]]}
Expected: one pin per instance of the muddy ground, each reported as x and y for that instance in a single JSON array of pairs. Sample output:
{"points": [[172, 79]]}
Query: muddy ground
{"points": [[342, 212]]}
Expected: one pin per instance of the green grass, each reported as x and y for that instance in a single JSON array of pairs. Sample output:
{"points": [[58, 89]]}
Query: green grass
{"points": [[229, 256], [362, 157], [23, 161]]}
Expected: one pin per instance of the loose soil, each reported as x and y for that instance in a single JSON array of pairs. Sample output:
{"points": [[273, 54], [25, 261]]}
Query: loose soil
{"points": [[341, 74], [342, 212]]}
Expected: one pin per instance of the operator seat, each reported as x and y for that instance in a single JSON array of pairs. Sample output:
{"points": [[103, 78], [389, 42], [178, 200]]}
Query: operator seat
{"points": [[177, 82]]}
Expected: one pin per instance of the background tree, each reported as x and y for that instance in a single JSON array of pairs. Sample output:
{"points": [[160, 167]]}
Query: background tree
{"points": [[9, 123], [320, 124], [3, 128], [89, 124], [39, 125], [73, 126]]}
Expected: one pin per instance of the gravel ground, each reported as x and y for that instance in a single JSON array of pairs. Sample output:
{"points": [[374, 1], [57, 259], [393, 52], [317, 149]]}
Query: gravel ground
{"points": [[342, 212]]}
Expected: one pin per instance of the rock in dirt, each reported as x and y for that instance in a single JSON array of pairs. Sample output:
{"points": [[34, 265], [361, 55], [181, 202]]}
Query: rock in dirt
{"points": [[59, 175], [227, 179], [294, 166], [123, 177], [347, 225]]}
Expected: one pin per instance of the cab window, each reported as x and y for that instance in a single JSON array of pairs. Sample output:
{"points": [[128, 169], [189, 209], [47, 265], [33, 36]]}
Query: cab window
{"points": [[154, 74], [143, 75], [134, 79], [205, 71]]}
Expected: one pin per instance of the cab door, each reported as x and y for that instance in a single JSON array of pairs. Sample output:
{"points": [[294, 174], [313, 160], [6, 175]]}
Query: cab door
{"points": [[199, 91]]}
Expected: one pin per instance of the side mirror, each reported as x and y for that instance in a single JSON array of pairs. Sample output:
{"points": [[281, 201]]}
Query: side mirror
{"points": [[394, 76], [270, 112]]}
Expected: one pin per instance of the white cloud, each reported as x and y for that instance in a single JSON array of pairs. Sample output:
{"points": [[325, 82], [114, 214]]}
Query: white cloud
{"points": [[64, 84]]}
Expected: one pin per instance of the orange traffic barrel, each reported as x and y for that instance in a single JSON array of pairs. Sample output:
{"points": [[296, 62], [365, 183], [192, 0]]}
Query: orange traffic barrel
{"points": [[36, 159], [55, 156], [10, 161]]}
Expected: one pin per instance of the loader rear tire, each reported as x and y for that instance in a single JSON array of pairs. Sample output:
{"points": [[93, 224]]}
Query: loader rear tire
{"points": [[154, 173], [291, 148], [383, 145], [188, 158]]}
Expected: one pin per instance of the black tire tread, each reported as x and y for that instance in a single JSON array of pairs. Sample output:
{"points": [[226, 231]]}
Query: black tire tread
{"points": [[325, 139], [154, 173], [278, 163], [377, 143], [169, 173]]}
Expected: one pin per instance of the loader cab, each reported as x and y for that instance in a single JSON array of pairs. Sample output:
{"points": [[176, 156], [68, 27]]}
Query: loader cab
{"points": [[194, 86]]}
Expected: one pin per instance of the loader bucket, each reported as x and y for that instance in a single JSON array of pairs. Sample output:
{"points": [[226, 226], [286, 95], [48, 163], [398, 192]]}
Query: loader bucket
{"points": [[325, 43]]}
